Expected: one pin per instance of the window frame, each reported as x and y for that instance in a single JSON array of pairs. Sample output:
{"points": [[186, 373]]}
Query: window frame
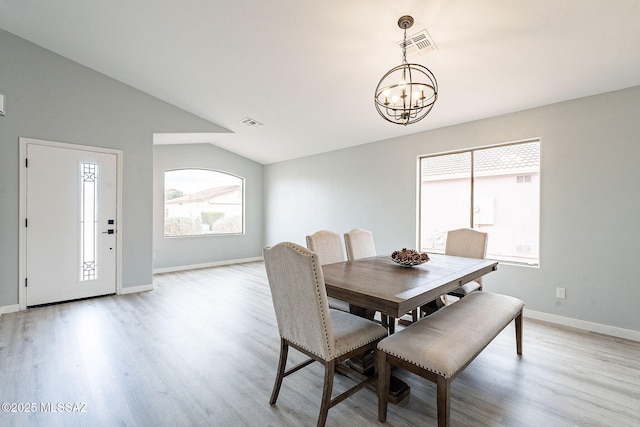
{"points": [[471, 151]]}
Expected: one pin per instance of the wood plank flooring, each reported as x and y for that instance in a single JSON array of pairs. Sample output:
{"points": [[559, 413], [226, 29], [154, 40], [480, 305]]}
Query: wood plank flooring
{"points": [[202, 350]]}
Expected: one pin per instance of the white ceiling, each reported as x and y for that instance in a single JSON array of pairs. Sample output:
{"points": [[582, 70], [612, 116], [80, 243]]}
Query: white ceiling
{"points": [[307, 69]]}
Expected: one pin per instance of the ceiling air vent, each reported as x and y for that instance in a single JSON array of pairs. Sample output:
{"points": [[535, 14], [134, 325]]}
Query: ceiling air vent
{"points": [[251, 123], [419, 44]]}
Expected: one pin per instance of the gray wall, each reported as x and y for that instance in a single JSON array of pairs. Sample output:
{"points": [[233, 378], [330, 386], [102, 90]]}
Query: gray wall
{"points": [[52, 98], [590, 237], [180, 252], [590, 226]]}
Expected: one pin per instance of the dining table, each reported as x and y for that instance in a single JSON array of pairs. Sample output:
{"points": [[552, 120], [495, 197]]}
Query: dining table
{"points": [[380, 284]]}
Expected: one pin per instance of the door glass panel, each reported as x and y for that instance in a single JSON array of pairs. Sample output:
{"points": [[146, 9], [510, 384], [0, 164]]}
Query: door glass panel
{"points": [[88, 221]]}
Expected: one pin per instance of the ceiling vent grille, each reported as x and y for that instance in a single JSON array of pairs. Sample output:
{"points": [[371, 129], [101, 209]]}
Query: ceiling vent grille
{"points": [[251, 122], [419, 44]]}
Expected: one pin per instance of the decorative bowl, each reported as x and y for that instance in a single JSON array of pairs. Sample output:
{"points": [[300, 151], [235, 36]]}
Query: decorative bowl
{"points": [[409, 257]]}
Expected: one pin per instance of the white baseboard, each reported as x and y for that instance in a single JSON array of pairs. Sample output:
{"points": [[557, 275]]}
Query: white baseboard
{"points": [[205, 265], [135, 289], [9, 309], [613, 331]]}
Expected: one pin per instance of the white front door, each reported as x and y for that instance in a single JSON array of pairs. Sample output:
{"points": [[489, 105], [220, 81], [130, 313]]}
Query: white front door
{"points": [[70, 219]]}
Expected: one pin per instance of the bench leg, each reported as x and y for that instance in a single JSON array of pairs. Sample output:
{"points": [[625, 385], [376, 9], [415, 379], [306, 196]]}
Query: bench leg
{"points": [[443, 393], [518, 322], [384, 379]]}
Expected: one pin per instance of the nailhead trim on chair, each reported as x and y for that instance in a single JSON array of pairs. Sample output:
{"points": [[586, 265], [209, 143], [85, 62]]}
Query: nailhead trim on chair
{"points": [[328, 344]]}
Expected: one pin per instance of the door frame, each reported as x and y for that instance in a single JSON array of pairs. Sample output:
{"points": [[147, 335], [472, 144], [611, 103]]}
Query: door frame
{"points": [[22, 239]]}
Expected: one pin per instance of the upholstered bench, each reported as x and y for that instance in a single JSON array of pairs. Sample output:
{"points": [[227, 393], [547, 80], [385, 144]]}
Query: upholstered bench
{"points": [[440, 346]]}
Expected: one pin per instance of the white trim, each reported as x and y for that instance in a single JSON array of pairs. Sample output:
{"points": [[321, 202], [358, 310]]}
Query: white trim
{"points": [[22, 239], [205, 265], [135, 289], [613, 331], [9, 309]]}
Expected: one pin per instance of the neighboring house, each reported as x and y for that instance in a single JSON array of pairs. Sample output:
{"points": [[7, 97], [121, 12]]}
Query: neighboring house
{"points": [[214, 210], [506, 199]]}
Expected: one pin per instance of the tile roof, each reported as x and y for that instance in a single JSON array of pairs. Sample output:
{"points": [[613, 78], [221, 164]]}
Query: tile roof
{"points": [[204, 195], [513, 157]]}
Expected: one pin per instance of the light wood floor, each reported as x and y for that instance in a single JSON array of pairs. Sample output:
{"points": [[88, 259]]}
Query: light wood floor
{"points": [[202, 350]]}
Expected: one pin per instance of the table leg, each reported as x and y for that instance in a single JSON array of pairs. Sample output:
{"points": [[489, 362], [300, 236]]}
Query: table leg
{"points": [[398, 389], [358, 369], [364, 364], [362, 311]]}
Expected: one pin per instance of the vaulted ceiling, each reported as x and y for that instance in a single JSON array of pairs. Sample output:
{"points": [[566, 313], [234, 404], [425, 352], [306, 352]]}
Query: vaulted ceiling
{"points": [[307, 69]]}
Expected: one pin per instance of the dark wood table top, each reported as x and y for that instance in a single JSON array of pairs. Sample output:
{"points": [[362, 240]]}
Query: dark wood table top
{"points": [[380, 284]]}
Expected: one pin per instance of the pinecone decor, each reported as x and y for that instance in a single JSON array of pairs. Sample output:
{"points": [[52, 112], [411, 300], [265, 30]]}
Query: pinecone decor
{"points": [[409, 257]]}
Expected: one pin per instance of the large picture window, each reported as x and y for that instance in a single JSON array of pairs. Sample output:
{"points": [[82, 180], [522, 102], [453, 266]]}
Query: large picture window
{"points": [[495, 190], [200, 202]]}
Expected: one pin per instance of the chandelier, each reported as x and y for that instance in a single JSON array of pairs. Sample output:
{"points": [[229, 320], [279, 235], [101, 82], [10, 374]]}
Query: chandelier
{"points": [[406, 93]]}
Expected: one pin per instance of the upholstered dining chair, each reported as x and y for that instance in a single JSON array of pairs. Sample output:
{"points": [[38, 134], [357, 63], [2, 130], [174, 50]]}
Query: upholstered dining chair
{"points": [[328, 246], [306, 323], [359, 243], [467, 243]]}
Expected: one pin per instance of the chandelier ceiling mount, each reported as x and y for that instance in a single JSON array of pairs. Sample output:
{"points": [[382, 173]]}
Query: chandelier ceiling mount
{"points": [[406, 93]]}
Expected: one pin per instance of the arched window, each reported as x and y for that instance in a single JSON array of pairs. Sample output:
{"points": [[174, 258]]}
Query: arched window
{"points": [[201, 202]]}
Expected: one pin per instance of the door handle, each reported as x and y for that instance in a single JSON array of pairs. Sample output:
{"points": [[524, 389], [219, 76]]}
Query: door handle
{"points": [[109, 231]]}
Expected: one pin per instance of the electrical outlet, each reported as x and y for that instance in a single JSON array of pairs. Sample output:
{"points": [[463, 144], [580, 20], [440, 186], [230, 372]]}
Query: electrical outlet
{"points": [[560, 293]]}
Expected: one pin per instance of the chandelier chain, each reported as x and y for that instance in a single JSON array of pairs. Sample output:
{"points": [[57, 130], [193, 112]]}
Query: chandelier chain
{"points": [[404, 47]]}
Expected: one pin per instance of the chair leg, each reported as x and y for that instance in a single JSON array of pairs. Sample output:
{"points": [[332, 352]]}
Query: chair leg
{"points": [[384, 320], [282, 364], [329, 368], [443, 398], [518, 322], [384, 380]]}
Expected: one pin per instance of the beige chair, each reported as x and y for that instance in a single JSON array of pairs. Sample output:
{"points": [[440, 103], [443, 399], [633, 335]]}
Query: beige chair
{"points": [[306, 323], [328, 246], [467, 243], [359, 244]]}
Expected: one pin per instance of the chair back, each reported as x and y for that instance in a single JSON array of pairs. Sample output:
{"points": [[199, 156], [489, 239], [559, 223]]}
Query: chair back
{"points": [[327, 245], [300, 298], [467, 243], [359, 243]]}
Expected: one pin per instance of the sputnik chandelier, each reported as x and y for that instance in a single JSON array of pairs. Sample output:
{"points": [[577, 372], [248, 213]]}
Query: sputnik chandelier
{"points": [[406, 94]]}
